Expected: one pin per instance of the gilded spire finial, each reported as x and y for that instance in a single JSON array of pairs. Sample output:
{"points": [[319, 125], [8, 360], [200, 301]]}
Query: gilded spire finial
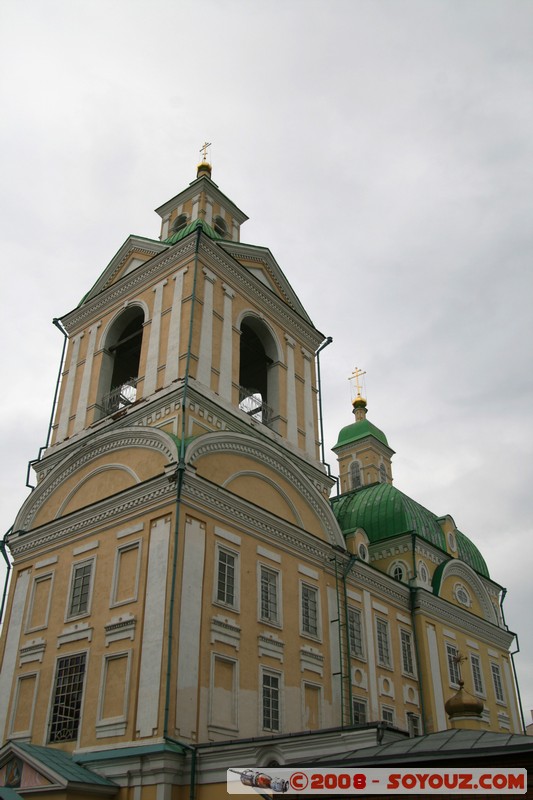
{"points": [[355, 376], [359, 402], [204, 167]]}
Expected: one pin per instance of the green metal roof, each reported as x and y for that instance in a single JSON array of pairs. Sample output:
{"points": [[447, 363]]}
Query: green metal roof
{"points": [[384, 512], [358, 430], [190, 228], [62, 764]]}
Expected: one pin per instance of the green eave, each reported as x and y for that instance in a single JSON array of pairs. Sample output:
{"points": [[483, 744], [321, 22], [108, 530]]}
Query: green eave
{"points": [[63, 764], [358, 430], [190, 228]]}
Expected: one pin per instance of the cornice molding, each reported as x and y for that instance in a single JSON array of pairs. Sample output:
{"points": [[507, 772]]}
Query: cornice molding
{"points": [[156, 493]]}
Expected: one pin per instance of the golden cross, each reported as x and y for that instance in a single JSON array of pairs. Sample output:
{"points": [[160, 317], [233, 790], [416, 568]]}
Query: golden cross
{"points": [[203, 150], [356, 374]]}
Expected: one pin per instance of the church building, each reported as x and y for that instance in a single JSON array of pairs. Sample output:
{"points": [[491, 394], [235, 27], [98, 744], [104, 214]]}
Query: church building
{"points": [[190, 589]]}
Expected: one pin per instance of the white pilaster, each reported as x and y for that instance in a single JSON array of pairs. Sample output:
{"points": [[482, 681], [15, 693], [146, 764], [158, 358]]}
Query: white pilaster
{"points": [[62, 429], [83, 399], [12, 647], [436, 678], [292, 425], [511, 694], [153, 630], [205, 355], [310, 444], [152, 360], [173, 344], [164, 227], [371, 657], [226, 349], [333, 613], [189, 630]]}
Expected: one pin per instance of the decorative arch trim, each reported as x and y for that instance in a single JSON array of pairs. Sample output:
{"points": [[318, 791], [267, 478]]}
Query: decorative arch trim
{"points": [[86, 478], [250, 314], [264, 453], [456, 568], [105, 332], [109, 441], [259, 476]]}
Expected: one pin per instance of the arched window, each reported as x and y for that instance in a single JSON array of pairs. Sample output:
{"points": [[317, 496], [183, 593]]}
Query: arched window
{"points": [[179, 223], [355, 474], [398, 571], [258, 378], [220, 227], [382, 474], [121, 359]]}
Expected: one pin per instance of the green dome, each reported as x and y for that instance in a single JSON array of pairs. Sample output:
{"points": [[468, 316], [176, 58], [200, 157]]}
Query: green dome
{"points": [[190, 228], [384, 512], [358, 430]]}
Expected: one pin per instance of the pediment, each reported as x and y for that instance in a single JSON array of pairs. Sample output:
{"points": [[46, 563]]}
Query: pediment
{"points": [[260, 475], [32, 768], [113, 462], [260, 262], [135, 251]]}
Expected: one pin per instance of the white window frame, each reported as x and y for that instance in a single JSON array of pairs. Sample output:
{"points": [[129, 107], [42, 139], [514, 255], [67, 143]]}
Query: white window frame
{"points": [[475, 658], [497, 683], [380, 650], [310, 634], [390, 711], [101, 721], [277, 620], [39, 579], [135, 545], [407, 649], [414, 724], [13, 734], [275, 674], [354, 653], [400, 565], [364, 703], [75, 567], [454, 667], [235, 605]]}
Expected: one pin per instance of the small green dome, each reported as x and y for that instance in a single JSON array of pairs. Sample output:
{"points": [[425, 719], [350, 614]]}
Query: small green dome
{"points": [[358, 430], [384, 512]]}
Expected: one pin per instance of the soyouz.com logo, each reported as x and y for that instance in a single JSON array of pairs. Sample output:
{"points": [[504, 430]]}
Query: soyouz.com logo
{"points": [[252, 780]]}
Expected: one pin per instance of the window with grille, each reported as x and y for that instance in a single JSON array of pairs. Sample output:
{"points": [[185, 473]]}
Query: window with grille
{"points": [[355, 632], [497, 683], [382, 632], [454, 671], [309, 610], [406, 641], [226, 578], [80, 589], [359, 711], [271, 701], [382, 473], [355, 474], [269, 595], [387, 714], [68, 691], [477, 675]]}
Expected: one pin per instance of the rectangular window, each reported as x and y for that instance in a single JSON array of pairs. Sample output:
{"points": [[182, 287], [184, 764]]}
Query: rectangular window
{"points": [[477, 675], [355, 632], [413, 724], [382, 633], [406, 641], [359, 711], [454, 671], [309, 610], [387, 715], [80, 589], [269, 595], [271, 701], [497, 682], [227, 578], [68, 691]]}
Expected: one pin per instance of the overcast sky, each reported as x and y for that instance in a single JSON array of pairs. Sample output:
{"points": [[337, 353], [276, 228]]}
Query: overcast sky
{"points": [[383, 150]]}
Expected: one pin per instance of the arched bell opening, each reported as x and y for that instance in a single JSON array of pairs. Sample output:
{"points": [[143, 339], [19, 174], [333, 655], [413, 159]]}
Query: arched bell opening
{"points": [[121, 360], [258, 372]]}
